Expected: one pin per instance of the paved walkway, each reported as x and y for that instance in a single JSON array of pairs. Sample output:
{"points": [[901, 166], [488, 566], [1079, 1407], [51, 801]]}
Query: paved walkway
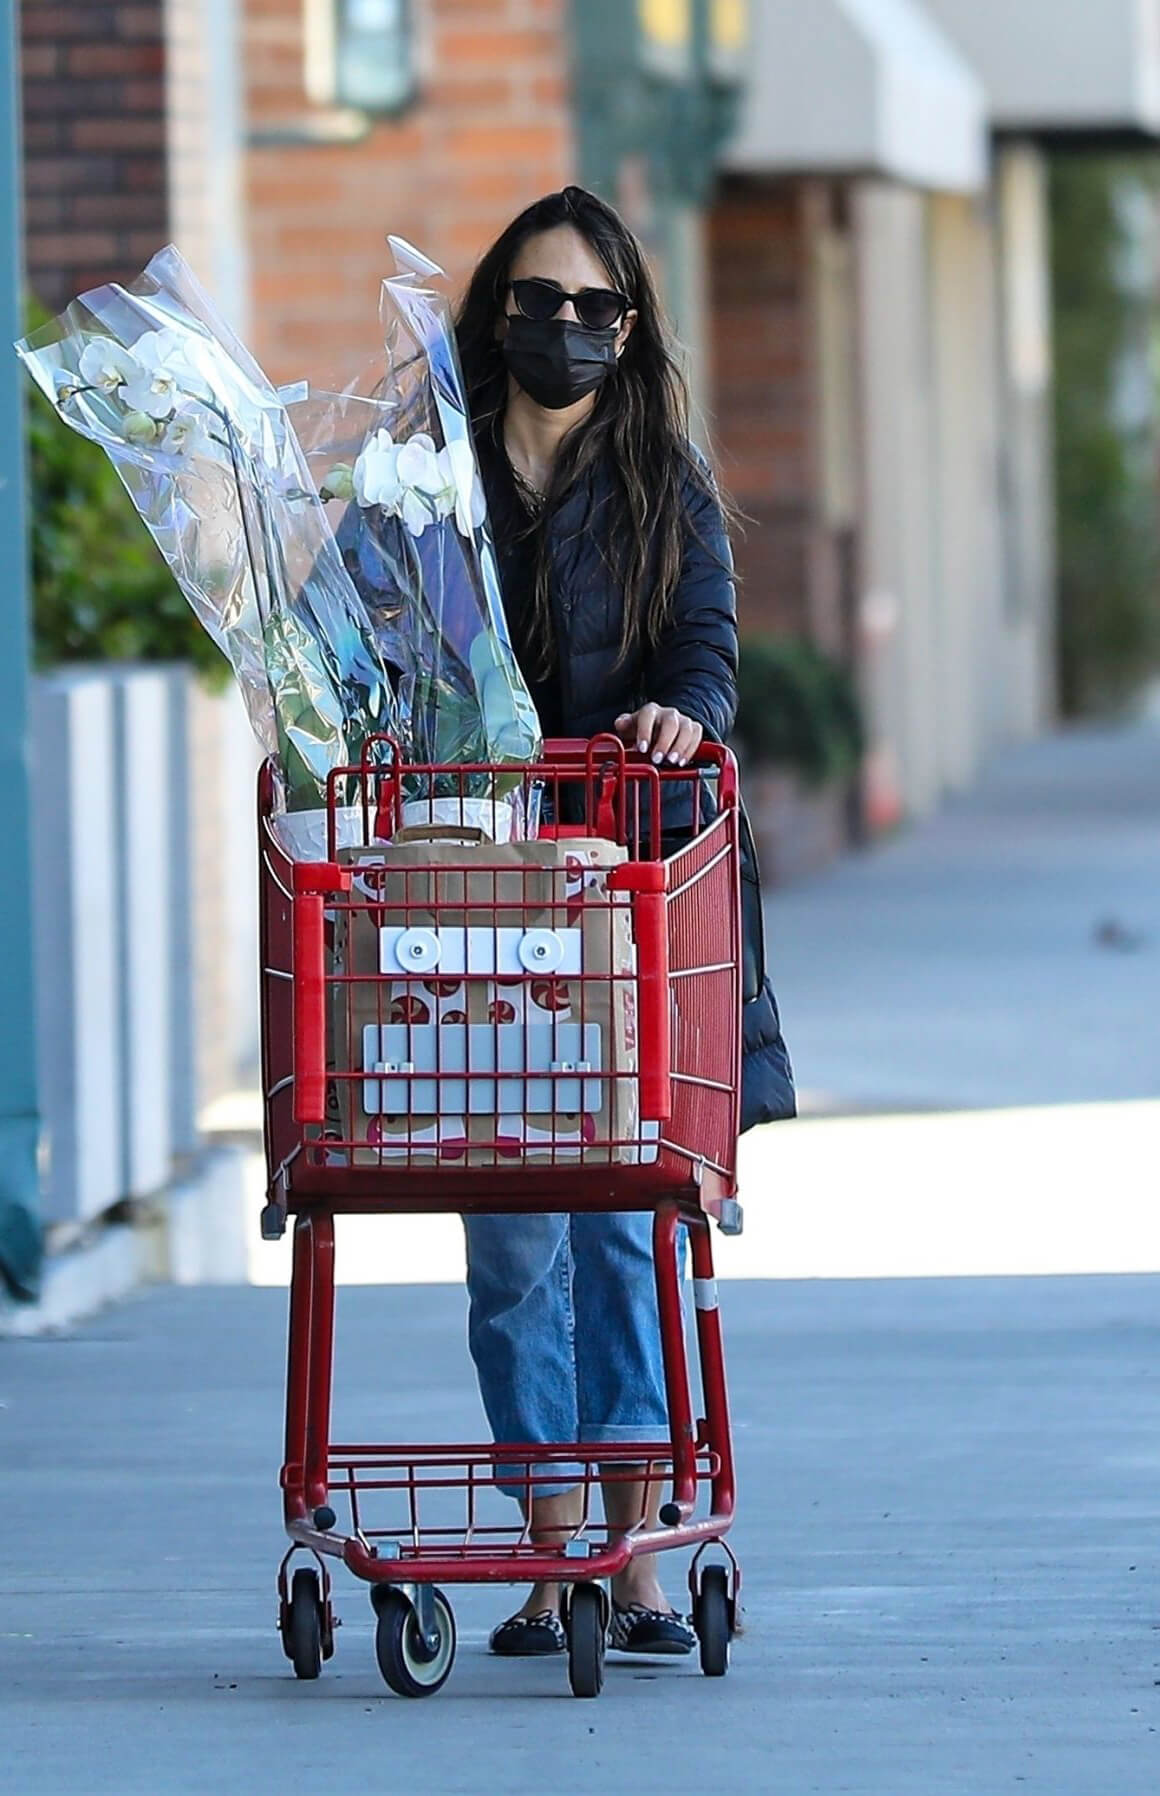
{"points": [[951, 1487], [951, 1505], [1007, 952]]}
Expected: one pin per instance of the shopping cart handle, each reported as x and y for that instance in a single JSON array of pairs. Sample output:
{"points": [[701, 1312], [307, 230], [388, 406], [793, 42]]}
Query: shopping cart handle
{"points": [[309, 1009], [646, 882], [311, 880]]}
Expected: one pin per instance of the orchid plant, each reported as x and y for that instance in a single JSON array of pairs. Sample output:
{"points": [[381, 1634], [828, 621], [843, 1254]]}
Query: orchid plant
{"points": [[397, 452], [204, 445], [385, 621], [159, 395]]}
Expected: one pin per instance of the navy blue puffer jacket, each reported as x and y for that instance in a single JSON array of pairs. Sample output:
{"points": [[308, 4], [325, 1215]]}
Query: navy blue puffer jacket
{"points": [[693, 668]]}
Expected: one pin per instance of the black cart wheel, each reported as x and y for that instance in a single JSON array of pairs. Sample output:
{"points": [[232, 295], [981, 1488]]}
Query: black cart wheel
{"points": [[304, 1624], [586, 1627], [711, 1620], [407, 1662]]}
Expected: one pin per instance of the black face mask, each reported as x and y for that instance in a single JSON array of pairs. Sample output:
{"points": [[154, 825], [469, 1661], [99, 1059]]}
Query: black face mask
{"points": [[555, 362]]}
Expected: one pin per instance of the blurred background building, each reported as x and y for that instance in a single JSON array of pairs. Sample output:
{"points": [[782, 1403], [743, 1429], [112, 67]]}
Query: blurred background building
{"points": [[910, 247], [849, 204]]}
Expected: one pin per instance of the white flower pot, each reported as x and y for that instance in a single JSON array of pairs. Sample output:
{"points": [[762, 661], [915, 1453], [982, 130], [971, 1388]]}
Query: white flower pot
{"points": [[494, 818], [302, 834]]}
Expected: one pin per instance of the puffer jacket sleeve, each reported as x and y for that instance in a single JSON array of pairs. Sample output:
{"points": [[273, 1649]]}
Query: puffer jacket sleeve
{"points": [[694, 664]]}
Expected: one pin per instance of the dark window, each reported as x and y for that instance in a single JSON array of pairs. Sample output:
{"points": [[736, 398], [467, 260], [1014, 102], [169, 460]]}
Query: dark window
{"points": [[360, 53]]}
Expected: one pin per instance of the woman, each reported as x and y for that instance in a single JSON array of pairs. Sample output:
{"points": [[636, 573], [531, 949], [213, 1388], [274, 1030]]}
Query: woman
{"points": [[617, 583]]}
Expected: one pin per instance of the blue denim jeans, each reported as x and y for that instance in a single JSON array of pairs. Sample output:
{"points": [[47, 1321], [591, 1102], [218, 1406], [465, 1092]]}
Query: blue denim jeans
{"points": [[564, 1332]]}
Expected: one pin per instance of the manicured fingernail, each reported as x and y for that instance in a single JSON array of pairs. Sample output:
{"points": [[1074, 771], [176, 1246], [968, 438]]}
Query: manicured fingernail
{"points": [[642, 747], [674, 757], [657, 758]]}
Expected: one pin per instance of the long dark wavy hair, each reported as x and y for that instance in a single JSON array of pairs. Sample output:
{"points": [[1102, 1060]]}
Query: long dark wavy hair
{"points": [[638, 428]]}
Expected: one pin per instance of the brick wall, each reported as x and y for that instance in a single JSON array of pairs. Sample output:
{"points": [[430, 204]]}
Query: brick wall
{"points": [[94, 140], [760, 337], [489, 132]]}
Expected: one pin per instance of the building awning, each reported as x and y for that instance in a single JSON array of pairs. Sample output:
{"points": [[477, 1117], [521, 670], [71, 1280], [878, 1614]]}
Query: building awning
{"points": [[859, 87], [1078, 66]]}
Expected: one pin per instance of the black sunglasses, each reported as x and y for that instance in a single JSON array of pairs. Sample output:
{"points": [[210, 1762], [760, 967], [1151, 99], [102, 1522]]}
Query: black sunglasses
{"points": [[598, 308]]}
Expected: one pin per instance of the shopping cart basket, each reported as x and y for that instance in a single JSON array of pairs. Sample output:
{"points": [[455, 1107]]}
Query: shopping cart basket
{"points": [[546, 1026]]}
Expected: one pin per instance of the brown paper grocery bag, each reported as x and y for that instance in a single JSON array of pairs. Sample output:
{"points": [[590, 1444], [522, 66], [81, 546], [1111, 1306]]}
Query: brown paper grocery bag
{"points": [[443, 887]]}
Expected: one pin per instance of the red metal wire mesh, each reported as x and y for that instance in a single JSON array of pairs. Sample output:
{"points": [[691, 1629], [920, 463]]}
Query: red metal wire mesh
{"points": [[424, 1502], [476, 1077]]}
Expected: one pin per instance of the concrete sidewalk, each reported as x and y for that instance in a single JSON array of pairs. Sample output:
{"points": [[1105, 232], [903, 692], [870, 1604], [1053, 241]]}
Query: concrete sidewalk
{"points": [[951, 1501], [1005, 953], [950, 1488]]}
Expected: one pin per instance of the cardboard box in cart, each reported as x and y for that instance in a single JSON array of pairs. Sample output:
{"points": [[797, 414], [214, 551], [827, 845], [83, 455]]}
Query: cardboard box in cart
{"points": [[536, 1055]]}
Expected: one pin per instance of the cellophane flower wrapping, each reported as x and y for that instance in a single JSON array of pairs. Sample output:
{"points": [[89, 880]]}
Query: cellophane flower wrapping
{"points": [[396, 464], [204, 445]]}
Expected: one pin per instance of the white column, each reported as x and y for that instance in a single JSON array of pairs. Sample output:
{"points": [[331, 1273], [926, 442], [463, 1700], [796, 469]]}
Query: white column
{"points": [[75, 903], [897, 614], [241, 758], [971, 647], [183, 994], [144, 793], [1028, 694], [206, 147]]}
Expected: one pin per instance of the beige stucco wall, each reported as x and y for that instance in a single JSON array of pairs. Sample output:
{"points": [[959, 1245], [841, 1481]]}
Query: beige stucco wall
{"points": [[899, 527], [957, 575], [968, 600], [1021, 203], [204, 131]]}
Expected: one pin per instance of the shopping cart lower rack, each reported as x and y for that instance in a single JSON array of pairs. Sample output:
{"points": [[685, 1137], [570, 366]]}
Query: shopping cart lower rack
{"points": [[457, 1023]]}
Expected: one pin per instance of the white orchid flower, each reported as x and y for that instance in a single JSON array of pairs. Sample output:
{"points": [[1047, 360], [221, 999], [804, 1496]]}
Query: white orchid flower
{"points": [[154, 388], [416, 481], [376, 476], [106, 365], [185, 435], [417, 510], [419, 465], [164, 375], [426, 497], [469, 503], [184, 353]]}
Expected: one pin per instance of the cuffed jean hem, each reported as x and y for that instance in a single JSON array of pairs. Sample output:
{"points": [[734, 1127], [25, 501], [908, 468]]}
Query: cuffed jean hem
{"points": [[556, 1479], [560, 1480], [618, 1431]]}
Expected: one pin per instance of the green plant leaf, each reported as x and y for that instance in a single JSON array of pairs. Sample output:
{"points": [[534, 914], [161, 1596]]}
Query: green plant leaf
{"points": [[798, 708]]}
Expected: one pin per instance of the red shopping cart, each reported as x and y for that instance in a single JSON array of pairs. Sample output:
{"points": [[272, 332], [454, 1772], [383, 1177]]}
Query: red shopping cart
{"points": [[455, 1024]]}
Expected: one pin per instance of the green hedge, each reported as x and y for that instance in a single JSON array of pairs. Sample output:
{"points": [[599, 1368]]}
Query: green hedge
{"points": [[798, 709]]}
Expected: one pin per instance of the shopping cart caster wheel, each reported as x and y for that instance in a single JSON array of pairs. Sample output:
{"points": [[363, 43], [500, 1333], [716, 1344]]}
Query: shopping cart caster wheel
{"points": [[711, 1619], [304, 1624], [324, 1518], [408, 1664], [587, 1625]]}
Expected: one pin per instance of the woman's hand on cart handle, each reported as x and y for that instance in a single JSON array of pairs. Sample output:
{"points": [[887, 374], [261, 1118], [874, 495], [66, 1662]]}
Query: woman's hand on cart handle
{"points": [[663, 731]]}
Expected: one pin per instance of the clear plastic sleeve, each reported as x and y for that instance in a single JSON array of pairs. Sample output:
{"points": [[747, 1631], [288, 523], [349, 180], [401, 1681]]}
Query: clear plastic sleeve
{"points": [[395, 463], [334, 545], [205, 448]]}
